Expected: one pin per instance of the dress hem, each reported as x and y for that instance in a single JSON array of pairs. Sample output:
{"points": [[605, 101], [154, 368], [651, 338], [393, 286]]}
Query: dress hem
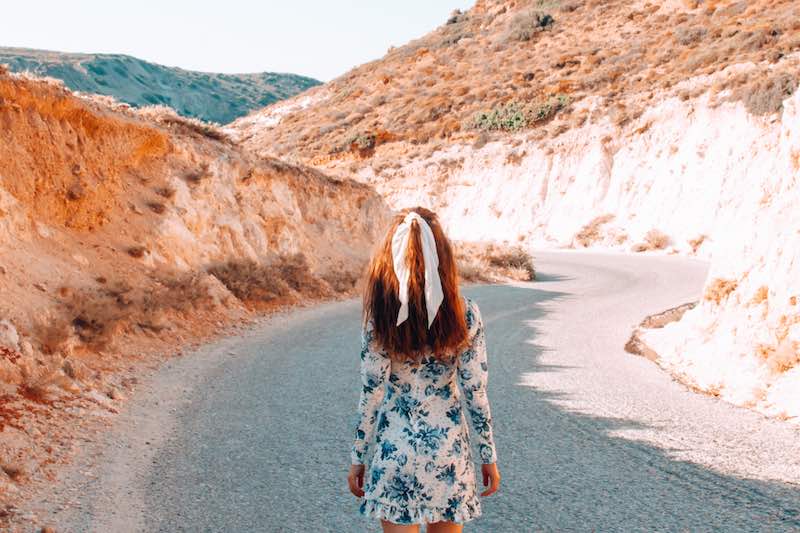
{"points": [[392, 513]]}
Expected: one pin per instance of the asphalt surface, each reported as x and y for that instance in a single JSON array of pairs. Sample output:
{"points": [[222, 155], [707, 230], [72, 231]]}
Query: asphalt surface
{"points": [[253, 433]]}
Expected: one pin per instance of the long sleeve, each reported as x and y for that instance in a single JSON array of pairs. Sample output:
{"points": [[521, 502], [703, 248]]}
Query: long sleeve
{"points": [[374, 371], [473, 377]]}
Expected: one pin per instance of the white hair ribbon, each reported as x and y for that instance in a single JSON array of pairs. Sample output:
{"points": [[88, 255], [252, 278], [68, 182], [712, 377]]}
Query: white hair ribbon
{"points": [[433, 285]]}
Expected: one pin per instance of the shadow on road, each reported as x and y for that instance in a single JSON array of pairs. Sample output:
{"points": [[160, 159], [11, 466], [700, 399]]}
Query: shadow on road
{"points": [[566, 471]]}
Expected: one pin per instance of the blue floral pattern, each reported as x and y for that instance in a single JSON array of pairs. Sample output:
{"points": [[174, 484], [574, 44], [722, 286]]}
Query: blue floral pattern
{"points": [[420, 469]]}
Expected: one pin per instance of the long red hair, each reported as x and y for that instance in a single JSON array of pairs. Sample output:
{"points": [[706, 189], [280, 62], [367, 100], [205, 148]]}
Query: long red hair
{"points": [[408, 341]]}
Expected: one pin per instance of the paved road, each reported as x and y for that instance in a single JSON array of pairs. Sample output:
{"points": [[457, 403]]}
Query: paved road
{"points": [[589, 437]]}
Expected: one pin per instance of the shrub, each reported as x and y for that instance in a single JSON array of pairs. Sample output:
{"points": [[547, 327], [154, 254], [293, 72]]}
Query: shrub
{"points": [[526, 26], [509, 117], [653, 240], [480, 261], [765, 96], [688, 36], [590, 233], [515, 116], [256, 284]]}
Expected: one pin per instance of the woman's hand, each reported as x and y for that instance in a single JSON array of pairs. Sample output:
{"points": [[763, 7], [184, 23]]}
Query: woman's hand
{"points": [[491, 478], [355, 479]]}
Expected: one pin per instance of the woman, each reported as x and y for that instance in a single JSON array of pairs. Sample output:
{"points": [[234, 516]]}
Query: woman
{"points": [[423, 347]]}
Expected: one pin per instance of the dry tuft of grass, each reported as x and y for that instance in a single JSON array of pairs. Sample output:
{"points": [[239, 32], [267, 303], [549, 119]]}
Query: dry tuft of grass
{"points": [[92, 319], [697, 242], [781, 357], [765, 95], [653, 240], [761, 295], [719, 289], [479, 261], [526, 26], [590, 233]]}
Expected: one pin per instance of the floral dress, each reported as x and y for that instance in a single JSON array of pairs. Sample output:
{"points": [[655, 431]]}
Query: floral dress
{"points": [[421, 469]]}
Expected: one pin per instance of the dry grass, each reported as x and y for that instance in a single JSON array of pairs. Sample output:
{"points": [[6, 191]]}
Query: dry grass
{"points": [[781, 357], [697, 242], [765, 95], [92, 319], [168, 117], [719, 289], [493, 262], [590, 233], [653, 240], [761, 295], [258, 284]]}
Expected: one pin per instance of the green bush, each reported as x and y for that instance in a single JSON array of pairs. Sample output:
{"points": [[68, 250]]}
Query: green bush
{"points": [[515, 116], [509, 117]]}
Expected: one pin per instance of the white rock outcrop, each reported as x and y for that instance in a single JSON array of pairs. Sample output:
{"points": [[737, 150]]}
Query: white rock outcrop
{"points": [[711, 179]]}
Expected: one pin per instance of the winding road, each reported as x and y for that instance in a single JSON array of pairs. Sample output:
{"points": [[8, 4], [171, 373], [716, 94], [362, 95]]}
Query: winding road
{"points": [[252, 433]]}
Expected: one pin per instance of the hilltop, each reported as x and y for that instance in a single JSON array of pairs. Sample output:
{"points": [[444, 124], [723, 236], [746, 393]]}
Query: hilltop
{"points": [[208, 96]]}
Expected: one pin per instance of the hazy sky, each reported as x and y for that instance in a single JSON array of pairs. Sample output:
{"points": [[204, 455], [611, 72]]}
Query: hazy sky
{"points": [[318, 38]]}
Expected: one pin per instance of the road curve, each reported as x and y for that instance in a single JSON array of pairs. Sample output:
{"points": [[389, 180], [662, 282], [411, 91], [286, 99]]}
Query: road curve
{"points": [[252, 433]]}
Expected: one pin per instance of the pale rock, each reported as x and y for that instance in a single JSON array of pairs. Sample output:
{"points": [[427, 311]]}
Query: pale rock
{"points": [[8, 335]]}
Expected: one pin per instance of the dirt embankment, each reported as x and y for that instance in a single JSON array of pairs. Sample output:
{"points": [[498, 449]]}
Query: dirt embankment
{"points": [[126, 236]]}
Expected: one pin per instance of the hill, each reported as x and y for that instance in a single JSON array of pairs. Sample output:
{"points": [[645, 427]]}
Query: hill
{"points": [[211, 97], [652, 127], [540, 67]]}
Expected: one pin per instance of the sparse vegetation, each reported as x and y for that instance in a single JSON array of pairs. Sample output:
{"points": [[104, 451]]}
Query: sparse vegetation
{"points": [[697, 242], [260, 284], [512, 67], [765, 95], [168, 117], [719, 289], [653, 240], [590, 233], [509, 117], [493, 262], [515, 116], [526, 26]]}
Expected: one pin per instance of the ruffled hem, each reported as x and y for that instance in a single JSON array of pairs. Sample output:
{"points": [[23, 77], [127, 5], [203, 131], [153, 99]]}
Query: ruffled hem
{"points": [[401, 514]]}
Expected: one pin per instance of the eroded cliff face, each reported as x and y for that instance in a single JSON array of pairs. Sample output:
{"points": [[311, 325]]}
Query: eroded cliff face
{"points": [[125, 233], [743, 341]]}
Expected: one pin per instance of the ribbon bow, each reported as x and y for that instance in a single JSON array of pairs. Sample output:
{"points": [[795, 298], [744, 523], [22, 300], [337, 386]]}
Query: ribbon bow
{"points": [[433, 285]]}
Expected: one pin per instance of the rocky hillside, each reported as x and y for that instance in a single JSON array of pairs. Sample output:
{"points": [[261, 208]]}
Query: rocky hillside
{"points": [[124, 236], [639, 126], [211, 97]]}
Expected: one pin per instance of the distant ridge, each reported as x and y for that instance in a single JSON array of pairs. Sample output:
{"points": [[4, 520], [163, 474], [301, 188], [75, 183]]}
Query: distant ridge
{"points": [[208, 96]]}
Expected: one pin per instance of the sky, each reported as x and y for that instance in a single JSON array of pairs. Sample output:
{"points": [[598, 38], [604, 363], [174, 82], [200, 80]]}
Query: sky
{"points": [[317, 38]]}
